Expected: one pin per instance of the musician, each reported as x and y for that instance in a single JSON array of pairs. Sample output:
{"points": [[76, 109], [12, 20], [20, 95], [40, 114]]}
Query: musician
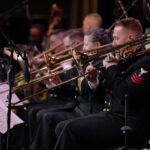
{"points": [[37, 38], [47, 120], [103, 129], [58, 96], [56, 37], [92, 21]]}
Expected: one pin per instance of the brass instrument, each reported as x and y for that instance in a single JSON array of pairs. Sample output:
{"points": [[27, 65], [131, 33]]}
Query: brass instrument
{"points": [[58, 85], [68, 50], [49, 50], [50, 62], [100, 52], [106, 49], [47, 76], [19, 76]]}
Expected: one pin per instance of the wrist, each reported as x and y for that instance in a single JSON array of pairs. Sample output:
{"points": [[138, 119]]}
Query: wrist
{"points": [[111, 64]]}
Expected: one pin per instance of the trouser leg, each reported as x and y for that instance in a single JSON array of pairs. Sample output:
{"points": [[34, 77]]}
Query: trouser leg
{"points": [[92, 132], [45, 134]]}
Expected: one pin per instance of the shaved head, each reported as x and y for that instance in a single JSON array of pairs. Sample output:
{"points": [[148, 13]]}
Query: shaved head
{"points": [[92, 21]]}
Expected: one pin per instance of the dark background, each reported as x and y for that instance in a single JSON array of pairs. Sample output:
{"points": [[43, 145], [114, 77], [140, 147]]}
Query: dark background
{"points": [[15, 22]]}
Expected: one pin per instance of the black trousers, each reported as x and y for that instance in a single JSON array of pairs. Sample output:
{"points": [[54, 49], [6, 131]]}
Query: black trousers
{"points": [[51, 103], [46, 121], [97, 132]]}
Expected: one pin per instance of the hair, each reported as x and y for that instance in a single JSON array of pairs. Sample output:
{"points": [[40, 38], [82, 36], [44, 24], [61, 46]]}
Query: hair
{"points": [[96, 18], [98, 35], [75, 34], [58, 33], [131, 24], [38, 26]]}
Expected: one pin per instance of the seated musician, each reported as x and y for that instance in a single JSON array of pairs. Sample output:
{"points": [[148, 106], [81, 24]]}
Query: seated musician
{"points": [[92, 21], [55, 38], [37, 38], [58, 97], [103, 130], [48, 119]]}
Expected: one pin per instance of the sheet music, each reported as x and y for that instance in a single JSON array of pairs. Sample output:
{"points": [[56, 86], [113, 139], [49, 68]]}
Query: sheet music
{"points": [[3, 96], [3, 118], [3, 110]]}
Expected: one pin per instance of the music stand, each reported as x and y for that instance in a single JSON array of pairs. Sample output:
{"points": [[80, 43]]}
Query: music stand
{"points": [[126, 129]]}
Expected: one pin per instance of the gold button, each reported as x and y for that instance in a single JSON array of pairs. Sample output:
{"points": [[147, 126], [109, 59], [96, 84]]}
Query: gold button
{"points": [[51, 95], [108, 110], [104, 109]]}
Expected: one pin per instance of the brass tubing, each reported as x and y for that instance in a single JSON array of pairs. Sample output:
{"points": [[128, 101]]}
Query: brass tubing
{"points": [[67, 81], [18, 88], [49, 50], [67, 50]]}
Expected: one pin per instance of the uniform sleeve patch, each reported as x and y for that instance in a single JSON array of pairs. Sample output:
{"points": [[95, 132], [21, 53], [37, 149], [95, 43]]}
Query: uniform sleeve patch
{"points": [[138, 78]]}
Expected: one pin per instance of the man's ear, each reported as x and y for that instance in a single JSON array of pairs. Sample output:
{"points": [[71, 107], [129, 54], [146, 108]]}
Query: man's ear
{"points": [[131, 36]]}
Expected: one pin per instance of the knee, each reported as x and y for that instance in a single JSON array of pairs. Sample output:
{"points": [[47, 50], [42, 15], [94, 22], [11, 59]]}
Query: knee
{"points": [[31, 114], [45, 116], [63, 125], [72, 126], [30, 111], [40, 116], [59, 128]]}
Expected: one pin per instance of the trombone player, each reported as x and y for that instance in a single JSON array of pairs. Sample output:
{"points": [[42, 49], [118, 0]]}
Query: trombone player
{"points": [[61, 96], [103, 130], [47, 119]]}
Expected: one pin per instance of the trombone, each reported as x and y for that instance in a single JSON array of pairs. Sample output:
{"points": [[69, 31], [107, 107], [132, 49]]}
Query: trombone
{"points": [[68, 50], [20, 77], [101, 52], [58, 85], [48, 51]]}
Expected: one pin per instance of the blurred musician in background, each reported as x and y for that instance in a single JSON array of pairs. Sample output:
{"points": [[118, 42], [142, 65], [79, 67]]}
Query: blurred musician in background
{"points": [[37, 38], [92, 21], [56, 37]]}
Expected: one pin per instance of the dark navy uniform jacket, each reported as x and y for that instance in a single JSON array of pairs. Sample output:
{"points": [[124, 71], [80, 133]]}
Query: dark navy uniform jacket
{"points": [[133, 81]]}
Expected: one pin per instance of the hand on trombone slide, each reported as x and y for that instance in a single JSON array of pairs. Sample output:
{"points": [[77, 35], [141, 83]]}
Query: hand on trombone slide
{"points": [[110, 60], [79, 57], [92, 77]]}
